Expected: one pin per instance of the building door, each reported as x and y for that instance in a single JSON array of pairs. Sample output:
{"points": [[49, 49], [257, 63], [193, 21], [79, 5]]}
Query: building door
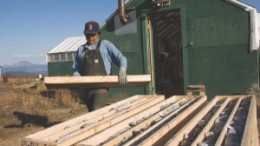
{"points": [[168, 56]]}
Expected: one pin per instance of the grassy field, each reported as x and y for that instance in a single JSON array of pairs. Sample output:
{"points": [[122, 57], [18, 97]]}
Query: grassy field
{"points": [[25, 111]]}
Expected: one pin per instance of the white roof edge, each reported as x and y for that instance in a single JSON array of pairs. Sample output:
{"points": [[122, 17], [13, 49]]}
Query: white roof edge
{"points": [[258, 28], [254, 32], [70, 44], [258, 14], [241, 5]]}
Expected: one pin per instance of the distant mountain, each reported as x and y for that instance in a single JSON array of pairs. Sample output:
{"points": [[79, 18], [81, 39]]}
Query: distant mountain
{"points": [[25, 68], [22, 63]]}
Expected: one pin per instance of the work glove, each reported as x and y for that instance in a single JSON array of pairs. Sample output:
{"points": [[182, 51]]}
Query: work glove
{"points": [[76, 73], [122, 77]]}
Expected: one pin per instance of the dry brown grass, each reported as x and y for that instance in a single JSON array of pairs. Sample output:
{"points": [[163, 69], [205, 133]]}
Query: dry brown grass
{"points": [[254, 91], [38, 101], [65, 98], [26, 111]]}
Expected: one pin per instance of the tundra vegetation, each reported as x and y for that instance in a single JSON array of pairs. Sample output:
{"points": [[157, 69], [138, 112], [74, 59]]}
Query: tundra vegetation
{"points": [[26, 111]]}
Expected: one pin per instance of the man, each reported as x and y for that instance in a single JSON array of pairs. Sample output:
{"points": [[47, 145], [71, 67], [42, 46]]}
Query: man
{"points": [[95, 58]]}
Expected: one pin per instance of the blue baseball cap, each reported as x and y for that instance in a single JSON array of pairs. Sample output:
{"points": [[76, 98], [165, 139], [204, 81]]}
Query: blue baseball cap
{"points": [[91, 27]]}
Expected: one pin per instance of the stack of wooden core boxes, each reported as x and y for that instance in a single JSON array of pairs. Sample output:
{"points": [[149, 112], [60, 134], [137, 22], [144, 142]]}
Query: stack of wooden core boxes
{"points": [[153, 120]]}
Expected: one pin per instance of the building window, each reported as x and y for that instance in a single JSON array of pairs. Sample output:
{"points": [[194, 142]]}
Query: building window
{"points": [[69, 56], [55, 57], [62, 57]]}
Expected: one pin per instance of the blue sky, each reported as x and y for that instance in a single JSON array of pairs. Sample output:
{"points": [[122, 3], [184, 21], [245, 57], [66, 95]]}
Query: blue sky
{"points": [[31, 28]]}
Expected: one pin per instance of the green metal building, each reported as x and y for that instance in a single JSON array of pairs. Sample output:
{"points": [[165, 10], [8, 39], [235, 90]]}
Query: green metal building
{"points": [[179, 43]]}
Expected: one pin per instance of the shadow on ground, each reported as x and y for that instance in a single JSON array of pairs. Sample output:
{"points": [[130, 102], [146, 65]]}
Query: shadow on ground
{"points": [[29, 120]]}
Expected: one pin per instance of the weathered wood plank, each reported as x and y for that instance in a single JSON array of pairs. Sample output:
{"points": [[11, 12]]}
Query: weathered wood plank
{"points": [[35, 142], [249, 137], [178, 137], [69, 138], [28, 85], [82, 134], [147, 117], [44, 137], [116, 112], [210, 123], [85, 117], [228, 122], [95, 81], [155, 136]]}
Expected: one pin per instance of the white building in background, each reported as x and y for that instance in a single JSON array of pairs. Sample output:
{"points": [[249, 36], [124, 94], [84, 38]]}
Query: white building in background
{"points": [[66, 50]]}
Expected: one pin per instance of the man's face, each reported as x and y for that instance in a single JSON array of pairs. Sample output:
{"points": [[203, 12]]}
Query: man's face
{"points": [[92, 38]]}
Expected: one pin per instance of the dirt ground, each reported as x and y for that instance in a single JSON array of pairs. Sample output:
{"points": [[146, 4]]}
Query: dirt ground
{"points": [[11, 129], [15, 123], [18, 118]]}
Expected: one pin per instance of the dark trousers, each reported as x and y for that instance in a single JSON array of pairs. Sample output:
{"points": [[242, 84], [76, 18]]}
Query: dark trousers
{"points": [[95, 98]]}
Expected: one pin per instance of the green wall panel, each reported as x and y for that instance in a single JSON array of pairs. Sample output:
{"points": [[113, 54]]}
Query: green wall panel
{"points": [[212, 31], [225, 70], [60, 68]]}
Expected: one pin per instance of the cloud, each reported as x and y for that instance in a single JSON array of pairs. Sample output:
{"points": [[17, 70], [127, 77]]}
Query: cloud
{"points": [[28, 55]]}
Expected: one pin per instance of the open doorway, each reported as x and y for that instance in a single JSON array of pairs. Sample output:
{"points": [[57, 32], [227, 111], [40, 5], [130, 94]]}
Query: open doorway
{"points": [[168, 58]]}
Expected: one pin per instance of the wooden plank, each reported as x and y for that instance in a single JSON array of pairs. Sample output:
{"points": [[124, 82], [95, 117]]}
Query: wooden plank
{"points": [[86, 117], [94, 121], [254, 127], [248, 137], [228, 122], [84, 133], [112, 117], [210, 123], [191, 89], [28, 85], [34, 142], [95, 81], [147, 116], [155, 136], [254, 124], [178, 137]]}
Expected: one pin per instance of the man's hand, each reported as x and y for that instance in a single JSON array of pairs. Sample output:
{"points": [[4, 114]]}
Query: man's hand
{"points": [[76, 73], [122, 77]]}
